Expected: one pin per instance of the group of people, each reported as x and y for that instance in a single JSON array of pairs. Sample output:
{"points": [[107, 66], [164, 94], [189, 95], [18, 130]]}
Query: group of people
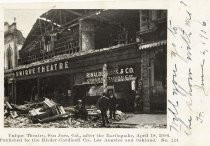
{"points": [[104, 103], [107, 102]]}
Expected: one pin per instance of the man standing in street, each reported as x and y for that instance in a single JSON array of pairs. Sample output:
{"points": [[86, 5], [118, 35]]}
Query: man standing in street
{"points": [[103, 105], [112, 105], [138, 103]]}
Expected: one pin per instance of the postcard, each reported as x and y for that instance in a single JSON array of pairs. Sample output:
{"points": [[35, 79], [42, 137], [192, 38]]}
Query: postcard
{"points": [[105, 72]]}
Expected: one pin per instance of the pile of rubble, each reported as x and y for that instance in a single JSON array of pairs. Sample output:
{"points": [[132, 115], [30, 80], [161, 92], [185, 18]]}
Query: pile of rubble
{"points": [[37, 112], [49, 114]]}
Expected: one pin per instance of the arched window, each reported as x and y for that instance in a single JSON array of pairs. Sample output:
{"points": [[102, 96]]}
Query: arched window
{"points": [[9, 57]]}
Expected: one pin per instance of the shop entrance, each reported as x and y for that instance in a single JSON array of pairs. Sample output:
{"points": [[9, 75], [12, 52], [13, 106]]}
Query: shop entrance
{"points": [[125, 96], [158, 91], [90, 93], [57, 88], [26, 91], [8, 91]]}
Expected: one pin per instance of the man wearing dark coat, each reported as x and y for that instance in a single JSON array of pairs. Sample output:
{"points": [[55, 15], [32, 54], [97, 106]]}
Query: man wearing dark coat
{"points": [[112, 105], [80, 111], [103, 105], [138, 102]]}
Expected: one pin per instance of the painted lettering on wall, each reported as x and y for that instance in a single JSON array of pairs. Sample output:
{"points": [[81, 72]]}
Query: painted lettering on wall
{"points": [[114, 75], [43, 69]]}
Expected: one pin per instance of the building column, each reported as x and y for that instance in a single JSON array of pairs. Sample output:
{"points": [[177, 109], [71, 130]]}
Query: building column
{"points": [[5, 59], [146, 82], [15, 52], [152, 72], [14, 91], [38, 87]]}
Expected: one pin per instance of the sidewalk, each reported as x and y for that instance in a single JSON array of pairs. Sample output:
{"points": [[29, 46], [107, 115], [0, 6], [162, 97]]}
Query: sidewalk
{"points": [[146, 120]]}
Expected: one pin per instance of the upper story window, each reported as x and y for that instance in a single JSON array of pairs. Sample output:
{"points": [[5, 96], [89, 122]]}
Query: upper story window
{"points": [[47, 43]]}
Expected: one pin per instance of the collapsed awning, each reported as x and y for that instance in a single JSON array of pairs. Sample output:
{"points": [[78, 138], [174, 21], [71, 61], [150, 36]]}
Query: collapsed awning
{"points": [[151, 45]]}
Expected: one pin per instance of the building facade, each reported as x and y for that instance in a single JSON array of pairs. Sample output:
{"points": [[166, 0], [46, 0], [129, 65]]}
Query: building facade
{"points": [[13, 42], [76, 54]]}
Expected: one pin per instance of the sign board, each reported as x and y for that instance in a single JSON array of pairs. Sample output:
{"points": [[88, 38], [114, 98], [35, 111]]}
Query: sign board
{"points": [[114, 75], [43, 69]]}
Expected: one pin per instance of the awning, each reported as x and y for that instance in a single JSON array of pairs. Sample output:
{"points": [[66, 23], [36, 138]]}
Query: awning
{"points": [[151, 45]]}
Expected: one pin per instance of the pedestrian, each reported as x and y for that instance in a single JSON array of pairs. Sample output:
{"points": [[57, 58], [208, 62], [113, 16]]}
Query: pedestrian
{"points": [[138, 102], [103, 105], [112, 105], [80, 110]]}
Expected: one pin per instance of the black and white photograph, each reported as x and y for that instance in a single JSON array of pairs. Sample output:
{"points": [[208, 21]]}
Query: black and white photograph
{"points": [[85, 68]]}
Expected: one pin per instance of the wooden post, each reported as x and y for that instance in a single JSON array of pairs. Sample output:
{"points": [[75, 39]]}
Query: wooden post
{"points": [[105, 74]]}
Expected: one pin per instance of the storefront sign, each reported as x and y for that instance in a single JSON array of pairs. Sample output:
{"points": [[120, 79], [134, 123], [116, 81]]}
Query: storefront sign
{"points": [[42, 69], [114, 75]]}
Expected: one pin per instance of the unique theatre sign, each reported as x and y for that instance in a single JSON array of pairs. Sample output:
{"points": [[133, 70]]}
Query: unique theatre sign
{"points": [[118, 74], [43, 69]]}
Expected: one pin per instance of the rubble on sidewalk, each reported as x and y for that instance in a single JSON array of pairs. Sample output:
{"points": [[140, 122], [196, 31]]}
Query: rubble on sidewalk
{"points": [[48, 114]]}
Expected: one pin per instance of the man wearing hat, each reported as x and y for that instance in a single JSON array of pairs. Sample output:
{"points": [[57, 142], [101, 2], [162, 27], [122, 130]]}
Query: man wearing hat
{"points": [[80, 111]]}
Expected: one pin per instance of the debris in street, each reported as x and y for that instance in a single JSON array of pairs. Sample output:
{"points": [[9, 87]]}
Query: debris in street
{"points": [[120, 115], [10, 111], [48, 112], [71, 122]]}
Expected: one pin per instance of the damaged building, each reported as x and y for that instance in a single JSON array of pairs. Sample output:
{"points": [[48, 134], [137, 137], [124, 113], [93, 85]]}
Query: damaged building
{"points": [[73, 54], [13, 42]]}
